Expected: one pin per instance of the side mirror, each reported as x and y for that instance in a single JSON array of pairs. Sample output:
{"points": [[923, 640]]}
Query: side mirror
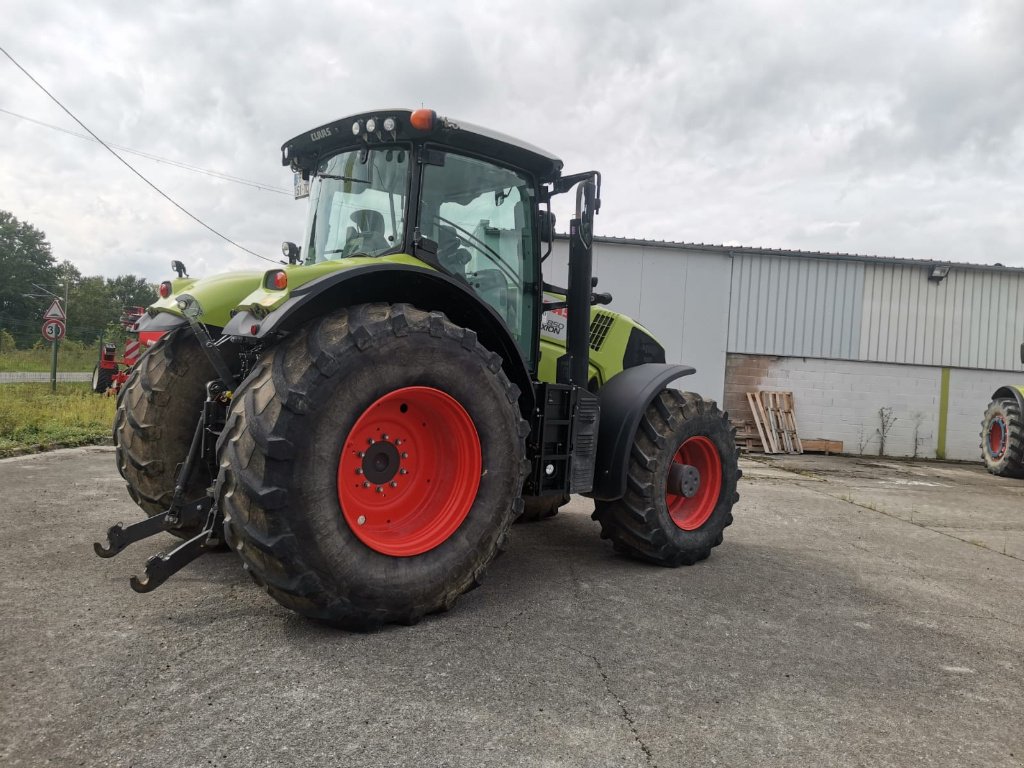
{"points": [[546, 222]]}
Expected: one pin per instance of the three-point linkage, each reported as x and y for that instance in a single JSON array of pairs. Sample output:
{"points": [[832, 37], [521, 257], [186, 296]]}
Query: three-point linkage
{"points": [[181, 515]]}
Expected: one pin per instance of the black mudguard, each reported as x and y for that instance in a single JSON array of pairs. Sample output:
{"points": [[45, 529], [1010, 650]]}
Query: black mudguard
{"points": [[1010, 393], [161, 321], [394, 283], [623, 401]]}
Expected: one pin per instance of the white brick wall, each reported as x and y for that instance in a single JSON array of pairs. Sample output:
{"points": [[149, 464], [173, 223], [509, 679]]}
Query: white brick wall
{"points": [[840, 400], [969, 394]]}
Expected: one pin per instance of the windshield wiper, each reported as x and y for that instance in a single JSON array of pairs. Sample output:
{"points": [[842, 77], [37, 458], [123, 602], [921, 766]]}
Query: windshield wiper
{"points": [[335, 177]]}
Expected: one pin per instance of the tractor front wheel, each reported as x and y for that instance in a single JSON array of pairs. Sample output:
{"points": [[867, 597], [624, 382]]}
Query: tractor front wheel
{"points": [[102, 378], [1002, 438], [681, 436], [371, 466]]}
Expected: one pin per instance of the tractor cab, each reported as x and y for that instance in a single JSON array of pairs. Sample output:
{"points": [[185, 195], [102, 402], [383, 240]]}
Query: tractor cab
{"points": [[462, 199]]}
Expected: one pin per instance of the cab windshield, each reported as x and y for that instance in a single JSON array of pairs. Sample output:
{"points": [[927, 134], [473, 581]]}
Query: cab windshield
{"points": [[357, 205]]}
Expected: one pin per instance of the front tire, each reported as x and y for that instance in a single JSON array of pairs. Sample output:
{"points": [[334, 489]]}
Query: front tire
{"points": [[102, 378], [649, 522], [1002, 438], [371, 466]]}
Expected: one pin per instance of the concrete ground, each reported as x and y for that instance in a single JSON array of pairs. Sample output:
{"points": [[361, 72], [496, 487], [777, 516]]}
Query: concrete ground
{"points": [[860, 612]]}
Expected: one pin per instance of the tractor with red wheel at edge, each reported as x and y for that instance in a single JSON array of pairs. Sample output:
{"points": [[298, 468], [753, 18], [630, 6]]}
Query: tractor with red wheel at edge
{"points": [[1002, 431], [363, 425]]}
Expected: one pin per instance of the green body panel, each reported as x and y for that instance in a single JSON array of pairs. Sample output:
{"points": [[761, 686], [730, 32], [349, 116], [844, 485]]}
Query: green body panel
{"points": [[605, 359], [220, 296], [216, 295]]}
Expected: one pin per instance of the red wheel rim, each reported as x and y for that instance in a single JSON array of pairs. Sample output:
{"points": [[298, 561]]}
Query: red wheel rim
{"points": [[691, 513], [409, 471], [996, 438]]}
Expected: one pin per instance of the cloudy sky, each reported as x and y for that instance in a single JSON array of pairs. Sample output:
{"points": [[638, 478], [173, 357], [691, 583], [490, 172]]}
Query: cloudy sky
{"points": [[889, 128]]}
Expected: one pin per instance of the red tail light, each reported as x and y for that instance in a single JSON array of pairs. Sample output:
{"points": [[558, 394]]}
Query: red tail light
{"points": [[165, 289], [276, 280]]}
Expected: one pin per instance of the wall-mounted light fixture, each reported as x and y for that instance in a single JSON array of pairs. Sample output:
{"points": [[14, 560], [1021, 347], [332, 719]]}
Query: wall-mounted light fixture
{"points": [[938, 273]]}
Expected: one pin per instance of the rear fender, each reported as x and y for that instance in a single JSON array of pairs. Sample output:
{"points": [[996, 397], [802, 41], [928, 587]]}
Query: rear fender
{"points": [[1013, 393], [151, 327], [393, 283], [623, 401]]}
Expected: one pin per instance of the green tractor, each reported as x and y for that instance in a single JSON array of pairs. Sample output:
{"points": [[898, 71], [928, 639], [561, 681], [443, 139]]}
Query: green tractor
{"points": [[1002, 431], [363, 424]]}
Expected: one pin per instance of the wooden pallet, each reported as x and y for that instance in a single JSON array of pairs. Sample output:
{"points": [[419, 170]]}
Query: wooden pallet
{"points": [[775, 418], [760, 421], [823, 446], [747, 439]]}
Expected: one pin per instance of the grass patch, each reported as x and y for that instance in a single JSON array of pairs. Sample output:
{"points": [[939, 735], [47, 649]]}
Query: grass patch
{"points": [[71, 356], [34, 418]]}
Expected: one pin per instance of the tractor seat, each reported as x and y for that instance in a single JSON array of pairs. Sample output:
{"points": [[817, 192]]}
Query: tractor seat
{"points": [[368, 233]]}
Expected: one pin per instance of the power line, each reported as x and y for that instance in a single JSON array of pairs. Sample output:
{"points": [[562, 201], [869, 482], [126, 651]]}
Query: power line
{"points": [[130, 166], [156, 158]]}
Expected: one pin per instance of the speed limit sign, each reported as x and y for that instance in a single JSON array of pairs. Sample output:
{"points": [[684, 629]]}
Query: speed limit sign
{"points": [[53, 329]]}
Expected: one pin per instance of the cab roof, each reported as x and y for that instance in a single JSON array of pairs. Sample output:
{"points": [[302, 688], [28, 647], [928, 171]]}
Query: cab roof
{"points": [[420, 126]]}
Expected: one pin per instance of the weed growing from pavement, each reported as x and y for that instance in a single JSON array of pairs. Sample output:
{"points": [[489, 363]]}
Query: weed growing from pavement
{"points": [[33, 418]]}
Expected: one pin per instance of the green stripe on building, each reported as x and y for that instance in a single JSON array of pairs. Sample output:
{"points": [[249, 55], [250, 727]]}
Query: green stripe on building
{"points": [[940, 449]]}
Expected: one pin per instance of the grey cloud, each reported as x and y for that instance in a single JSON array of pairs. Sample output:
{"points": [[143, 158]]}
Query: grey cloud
{"points": [[871, 127]]}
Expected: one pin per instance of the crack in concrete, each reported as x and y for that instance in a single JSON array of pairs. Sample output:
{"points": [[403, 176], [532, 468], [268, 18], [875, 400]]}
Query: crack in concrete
{"points": [[578, 599], [871, 508], [626, 716]]}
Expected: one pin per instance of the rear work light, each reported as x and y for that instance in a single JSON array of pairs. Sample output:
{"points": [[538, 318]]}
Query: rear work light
{"points": [[277, 280], [165, 289]]}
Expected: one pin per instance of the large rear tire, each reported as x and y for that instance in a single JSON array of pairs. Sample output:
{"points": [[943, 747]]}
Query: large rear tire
{"points": [[649, 522], [157, 411], [371, 466], [1002, 438]]}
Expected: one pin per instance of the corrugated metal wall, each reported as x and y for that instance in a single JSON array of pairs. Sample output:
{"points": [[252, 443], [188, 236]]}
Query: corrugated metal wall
{"points": [[682, 297], [795, 307], [972, 319], [858, 310]]}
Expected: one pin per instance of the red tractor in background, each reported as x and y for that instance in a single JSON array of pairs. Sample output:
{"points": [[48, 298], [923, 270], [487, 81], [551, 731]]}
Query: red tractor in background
{"points": [[110, 373]]}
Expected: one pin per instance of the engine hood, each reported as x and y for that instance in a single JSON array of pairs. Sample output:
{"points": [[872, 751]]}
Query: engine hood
{"points": [[216, 295]]}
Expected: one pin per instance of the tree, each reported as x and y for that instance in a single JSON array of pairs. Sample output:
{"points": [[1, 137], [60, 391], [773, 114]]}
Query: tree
{"points": [[130, 291], [89, 308], [26, 265]]}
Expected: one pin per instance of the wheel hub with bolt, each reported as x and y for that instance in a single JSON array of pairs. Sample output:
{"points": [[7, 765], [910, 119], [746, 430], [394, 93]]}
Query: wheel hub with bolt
{"points": [[997, 438], [694, 483], [409, 471]]}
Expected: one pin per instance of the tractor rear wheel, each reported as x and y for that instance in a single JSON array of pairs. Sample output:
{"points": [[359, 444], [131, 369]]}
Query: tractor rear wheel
{"points": [[157, 411], [651, 522], [102, 378], [1002, 438], [371, 466]]}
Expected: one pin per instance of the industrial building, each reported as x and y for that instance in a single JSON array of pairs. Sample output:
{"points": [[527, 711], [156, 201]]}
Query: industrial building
{"points": [[849, 335]]}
